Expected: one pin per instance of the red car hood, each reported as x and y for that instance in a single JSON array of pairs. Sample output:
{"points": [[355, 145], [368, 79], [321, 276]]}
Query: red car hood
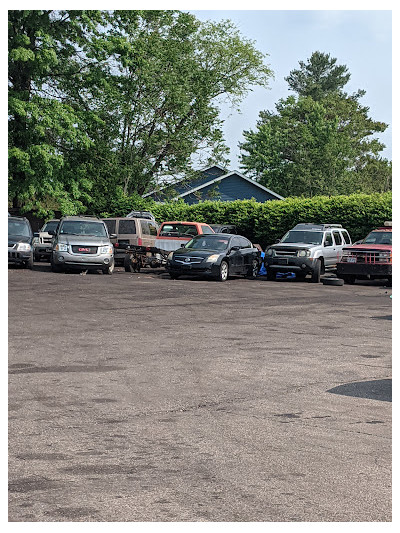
{"points": [[361, 247]]}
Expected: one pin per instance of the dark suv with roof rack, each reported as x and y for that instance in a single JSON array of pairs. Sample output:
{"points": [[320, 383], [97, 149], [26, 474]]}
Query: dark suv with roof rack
{"points": [[20, 237], [307, 249]]}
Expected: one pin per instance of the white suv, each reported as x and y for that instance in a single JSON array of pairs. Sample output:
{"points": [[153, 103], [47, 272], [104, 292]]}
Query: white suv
{"points": [[307, 249]]}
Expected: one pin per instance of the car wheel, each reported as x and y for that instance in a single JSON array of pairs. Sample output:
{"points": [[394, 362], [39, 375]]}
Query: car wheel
{"points": [[253, 270], [223, 271], [333, 281], [128, 264], [109, 269], [55, 268], [348, 278], [316, 273], [271, 275]]}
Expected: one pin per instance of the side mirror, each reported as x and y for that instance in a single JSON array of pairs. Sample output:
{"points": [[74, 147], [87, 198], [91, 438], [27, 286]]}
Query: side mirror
{"points": [[51, 232], [234, 248], [113, 236], [277, 240]]}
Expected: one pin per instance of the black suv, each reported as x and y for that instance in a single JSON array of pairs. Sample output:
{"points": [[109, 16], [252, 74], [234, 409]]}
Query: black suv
{"points": [[20, 236]]}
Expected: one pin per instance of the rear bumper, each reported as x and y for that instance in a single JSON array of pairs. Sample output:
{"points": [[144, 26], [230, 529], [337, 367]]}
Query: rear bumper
{"points": [[364, 269]]}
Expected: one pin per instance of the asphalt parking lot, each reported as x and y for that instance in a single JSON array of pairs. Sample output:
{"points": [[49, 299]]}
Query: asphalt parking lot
{"points": [[134, 397]]}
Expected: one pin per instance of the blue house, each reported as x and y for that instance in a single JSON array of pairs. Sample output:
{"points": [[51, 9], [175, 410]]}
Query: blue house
{"points": [[216, 184]]}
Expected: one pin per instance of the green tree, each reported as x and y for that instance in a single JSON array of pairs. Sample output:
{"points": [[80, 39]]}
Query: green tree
{"points": [[321, 145], [107, 101], [318, 77]]}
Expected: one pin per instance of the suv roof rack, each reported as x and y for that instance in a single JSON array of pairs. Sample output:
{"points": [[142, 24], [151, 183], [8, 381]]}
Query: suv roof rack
{"points": [[311, 225], [141, 214], [80, 216]]}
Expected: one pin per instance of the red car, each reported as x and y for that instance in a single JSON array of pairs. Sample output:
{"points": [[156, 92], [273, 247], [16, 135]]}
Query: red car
{"points": [[370, 258]]}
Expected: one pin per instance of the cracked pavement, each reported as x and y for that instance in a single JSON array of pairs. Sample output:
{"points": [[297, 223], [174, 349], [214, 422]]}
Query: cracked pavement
{"points": [[134, 397]]}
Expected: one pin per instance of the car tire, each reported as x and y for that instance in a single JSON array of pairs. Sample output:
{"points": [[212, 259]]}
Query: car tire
{"points": [[253, 270], [109, 269], [55, 268], [333, 281], [316, 273], [271, 275], [349, 279], [223, 271], [128, 264]]}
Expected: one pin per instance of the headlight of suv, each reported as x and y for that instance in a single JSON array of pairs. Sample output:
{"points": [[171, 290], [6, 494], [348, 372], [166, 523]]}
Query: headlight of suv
{"points": [[212, 258], [304, 253], [106, 249], [23, 247], [61, 247]]}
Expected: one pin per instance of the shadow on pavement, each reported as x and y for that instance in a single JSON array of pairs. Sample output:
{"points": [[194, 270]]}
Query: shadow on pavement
{"points": [[380, 389]]}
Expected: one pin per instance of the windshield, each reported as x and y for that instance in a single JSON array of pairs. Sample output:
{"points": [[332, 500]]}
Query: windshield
{"points": [[303, 237], [50, 226], [378, 237], [208, 242], [178, 230], [80, 227], [18, 227]]}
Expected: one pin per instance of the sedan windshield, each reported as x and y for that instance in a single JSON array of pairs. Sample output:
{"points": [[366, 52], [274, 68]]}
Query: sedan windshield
{"points": [[303, 237], [18, 227], [378, 237], [208, 242], [77, 227]]}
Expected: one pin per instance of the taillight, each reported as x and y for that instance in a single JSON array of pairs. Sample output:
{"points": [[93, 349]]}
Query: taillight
{"points": [[139, 241], [116, 244]]}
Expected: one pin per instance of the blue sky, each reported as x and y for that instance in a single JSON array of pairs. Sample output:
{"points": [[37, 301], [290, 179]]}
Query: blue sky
{"points": [[359, 39]]}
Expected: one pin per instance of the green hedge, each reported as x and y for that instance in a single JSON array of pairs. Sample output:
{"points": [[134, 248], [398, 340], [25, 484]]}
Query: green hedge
{"points": [[265, 222]]}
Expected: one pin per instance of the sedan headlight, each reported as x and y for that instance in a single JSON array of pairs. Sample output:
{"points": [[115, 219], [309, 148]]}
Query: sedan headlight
{"points": [[212, 258], [106, 249], [304, 253], [23, 247]]}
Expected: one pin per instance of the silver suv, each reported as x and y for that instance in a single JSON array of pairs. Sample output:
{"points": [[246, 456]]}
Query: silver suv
{"points": [[82, 243], [307, 249]]}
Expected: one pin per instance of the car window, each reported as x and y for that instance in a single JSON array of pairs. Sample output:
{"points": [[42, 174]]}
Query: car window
{"points": [[328, 239], [337, 237], [50, 226], [153, 228], [235, 242], [206, 230], [346, 237], [83, 227], [245, 243], [18, 227], [178, 230], [127, 227], [111, 225], [145, 227], [378, 237]]}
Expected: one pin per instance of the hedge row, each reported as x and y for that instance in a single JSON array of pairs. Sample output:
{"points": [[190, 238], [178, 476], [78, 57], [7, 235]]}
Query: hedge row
{"points": [[265, 222]]}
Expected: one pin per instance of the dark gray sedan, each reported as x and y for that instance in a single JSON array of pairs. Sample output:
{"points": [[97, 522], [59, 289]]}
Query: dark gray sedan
{"points": [[217, 256]]}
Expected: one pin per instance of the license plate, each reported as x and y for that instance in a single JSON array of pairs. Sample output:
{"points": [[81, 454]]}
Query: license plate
{"points": [[352, 259], [48, 250]]}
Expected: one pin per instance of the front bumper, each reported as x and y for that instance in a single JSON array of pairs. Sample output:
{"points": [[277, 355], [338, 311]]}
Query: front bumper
{"points": [[290, 264], [196, 269], [364, 269], [87, 261], [18, 258]]}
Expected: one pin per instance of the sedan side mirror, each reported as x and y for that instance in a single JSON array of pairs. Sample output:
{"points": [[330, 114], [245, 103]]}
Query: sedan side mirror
{"points": [[235, 248]]}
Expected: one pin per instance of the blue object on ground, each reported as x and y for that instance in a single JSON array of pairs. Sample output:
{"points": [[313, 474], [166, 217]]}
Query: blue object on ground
{"points": [[287, 275]]}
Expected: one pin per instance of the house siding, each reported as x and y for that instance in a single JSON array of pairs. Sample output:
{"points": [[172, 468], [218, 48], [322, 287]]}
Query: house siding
{"points": [[229, 189]]}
